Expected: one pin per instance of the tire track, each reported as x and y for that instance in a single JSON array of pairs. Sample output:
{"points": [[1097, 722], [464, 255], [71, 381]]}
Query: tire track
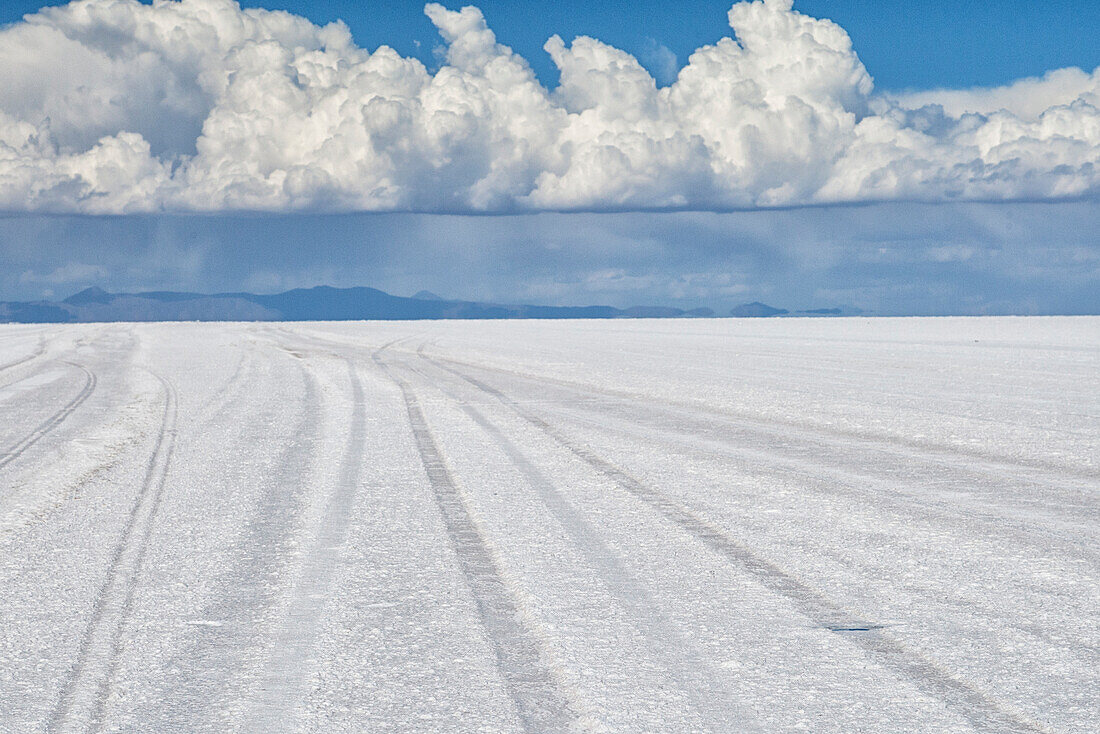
{"points": [[860, 482], [713, 703], [54, 420], [289, 665], [1003, 513], [1005, 501], [218, 404], [982, 712], [541, 706], [209, 675], [947, 455], [83, 700], [38, 351]]}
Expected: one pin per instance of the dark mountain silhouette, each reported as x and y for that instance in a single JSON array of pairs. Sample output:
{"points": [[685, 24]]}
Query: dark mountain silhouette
{"points": [[322, 303], [89, 295], [756, 309]]}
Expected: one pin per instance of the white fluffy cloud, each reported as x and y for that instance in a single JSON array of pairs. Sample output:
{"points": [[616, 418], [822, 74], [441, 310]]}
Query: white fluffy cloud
{"points": [[116, 106], [1024, 98]]}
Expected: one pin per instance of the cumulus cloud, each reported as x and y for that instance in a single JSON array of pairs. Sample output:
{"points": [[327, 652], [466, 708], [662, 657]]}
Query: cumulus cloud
{"points": [[200, 105], [1027, 99]]}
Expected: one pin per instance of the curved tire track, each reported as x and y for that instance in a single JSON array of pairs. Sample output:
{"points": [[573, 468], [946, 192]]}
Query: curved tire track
{"points": [[969, 459], [1010, 512], [540, 705], [288, 666], [712, 702], [219, 404], [983, 713], [211, 665], [83, 700], [862, 482], [54, 420], [38, 352]]}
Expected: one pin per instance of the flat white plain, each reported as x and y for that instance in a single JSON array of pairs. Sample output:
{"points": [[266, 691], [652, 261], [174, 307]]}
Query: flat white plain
{"points": [[656, 525]]}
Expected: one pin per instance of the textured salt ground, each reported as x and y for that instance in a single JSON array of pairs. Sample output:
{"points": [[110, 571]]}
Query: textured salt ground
{"points": [[821, 525]]}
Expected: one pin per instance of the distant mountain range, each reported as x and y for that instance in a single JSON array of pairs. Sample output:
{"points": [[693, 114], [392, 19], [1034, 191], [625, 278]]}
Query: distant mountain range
{"points": [[303, 304], [322, 303], [756, 310]]}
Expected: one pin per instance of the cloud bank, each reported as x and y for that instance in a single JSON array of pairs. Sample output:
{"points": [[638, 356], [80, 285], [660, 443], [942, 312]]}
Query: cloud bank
{"points": [[890, 259], [112, 106]]}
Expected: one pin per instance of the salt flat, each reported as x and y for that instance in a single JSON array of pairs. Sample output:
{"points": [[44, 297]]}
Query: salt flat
{"points": [[877, 525]]}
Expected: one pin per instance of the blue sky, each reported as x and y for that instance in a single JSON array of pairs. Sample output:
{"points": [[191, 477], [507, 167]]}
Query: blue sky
{"points": [[905, 45], [193, 147]]}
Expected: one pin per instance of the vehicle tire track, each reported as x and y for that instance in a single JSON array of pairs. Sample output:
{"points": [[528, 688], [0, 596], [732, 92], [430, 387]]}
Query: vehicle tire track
{"points": [[982, 712], [54, 420], [218, 405], [289, 665], [83, 700], [790, 454], [204, 687], [541, 706], [858, 483], [711, 702], [38, 352], [948, 455]]}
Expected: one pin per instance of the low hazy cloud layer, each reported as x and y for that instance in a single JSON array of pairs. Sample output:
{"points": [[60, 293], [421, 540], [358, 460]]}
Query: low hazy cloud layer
{"points": [[111, 106], [896, 258]]}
